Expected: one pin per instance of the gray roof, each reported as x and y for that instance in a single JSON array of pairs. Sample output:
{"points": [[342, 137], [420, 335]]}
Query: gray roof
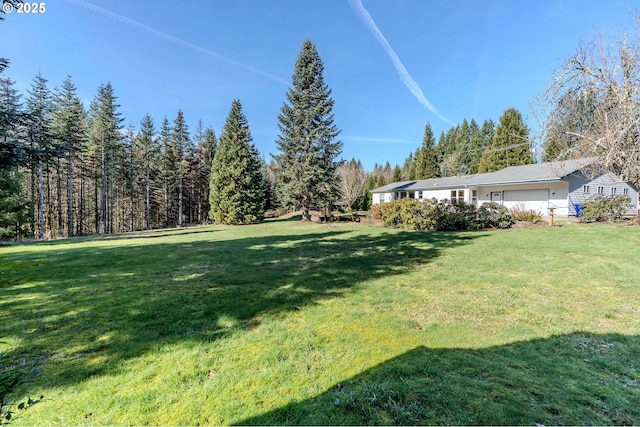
{"points": [[539, 172]]}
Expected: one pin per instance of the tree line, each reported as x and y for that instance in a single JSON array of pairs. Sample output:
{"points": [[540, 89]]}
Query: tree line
{"points": [[68, 170]]}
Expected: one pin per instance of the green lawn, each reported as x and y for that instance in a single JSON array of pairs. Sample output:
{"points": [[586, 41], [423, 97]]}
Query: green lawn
{"points": [[291, 323]]}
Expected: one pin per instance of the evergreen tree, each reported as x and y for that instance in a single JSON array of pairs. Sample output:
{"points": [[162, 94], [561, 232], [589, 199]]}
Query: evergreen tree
{"points": [[409, 168], [426, 156], [573, 117], [510, 145], [14, 205], [305, 167], [463, 148], [182, 144], [237, 193], [207, 149], [447, 152], [106, 124], [148, 146], [397, 174], [13, 152], [69, 132], [169, 174], [39, 134]]}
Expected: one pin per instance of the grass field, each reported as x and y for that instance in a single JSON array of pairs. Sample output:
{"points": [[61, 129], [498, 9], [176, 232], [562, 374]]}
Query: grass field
{"points": [[291, 323]]}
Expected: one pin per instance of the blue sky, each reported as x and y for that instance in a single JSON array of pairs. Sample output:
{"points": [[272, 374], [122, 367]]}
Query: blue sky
{"points": [[393, 65]]}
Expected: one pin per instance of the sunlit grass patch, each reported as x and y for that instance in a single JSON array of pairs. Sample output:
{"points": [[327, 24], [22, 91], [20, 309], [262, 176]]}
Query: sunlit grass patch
{"points": [[290, 323]]}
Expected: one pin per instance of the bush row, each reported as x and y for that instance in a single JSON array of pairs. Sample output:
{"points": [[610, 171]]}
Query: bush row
{"points": [[444, 215]]}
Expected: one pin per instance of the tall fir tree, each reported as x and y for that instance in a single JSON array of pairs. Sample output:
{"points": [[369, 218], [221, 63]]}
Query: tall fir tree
{"points": [[68, 126], [106, 124], [169, 173], [148, 146], [42, 149], [182, 143], [306, 164], [426, 156], [14, 204], [511, 145], [13, 151], [209, 150], [237, 193]]}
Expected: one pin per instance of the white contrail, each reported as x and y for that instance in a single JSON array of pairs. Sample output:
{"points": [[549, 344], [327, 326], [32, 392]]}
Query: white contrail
{"points": [[405, 77], [129, 21]]}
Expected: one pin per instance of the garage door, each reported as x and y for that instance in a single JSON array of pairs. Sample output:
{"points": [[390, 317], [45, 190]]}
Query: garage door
{"points": [[537, 200]]}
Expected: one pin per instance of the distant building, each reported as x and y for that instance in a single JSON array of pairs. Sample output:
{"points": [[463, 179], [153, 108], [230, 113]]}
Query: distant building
{"points": [[563, 185]]}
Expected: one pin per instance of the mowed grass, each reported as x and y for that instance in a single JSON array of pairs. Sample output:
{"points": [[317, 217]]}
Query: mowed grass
{"points": [[291, 323]]}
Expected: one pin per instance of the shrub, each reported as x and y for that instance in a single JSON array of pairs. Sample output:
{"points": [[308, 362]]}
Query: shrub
{"points": [[454, 216], [442, 216], [521, 213], [375, 211], [605, 208], [390, 213], [493, 215], [409, 214]]}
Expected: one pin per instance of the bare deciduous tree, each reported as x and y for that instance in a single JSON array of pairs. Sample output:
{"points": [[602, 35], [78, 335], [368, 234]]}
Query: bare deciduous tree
{"points": [[592, 108], [351, 182]]}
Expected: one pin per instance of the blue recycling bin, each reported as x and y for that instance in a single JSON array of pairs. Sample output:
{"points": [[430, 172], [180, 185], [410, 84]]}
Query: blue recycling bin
{"points": [[578, 208]]}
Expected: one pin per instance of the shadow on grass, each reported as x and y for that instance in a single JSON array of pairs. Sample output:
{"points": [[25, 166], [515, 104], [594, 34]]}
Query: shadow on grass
{"points": [[576, 379], [87, 309]]}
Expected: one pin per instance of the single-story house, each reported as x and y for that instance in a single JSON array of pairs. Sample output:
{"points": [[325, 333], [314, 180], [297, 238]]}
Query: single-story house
{"points": [[563, 185]]}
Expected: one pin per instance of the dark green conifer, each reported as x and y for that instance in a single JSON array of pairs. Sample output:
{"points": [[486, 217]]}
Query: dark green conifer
{"points": [[236, 188], [305, 167]]}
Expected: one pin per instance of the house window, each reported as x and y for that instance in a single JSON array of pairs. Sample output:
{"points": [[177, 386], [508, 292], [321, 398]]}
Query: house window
{"points": [[412, 195], [457, 195], [381, 198], [600, 190], [625, 191], [585, 189], [474, 197], [420, 195], [613, 190]]}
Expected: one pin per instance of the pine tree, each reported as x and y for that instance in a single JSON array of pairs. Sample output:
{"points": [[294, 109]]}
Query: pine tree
{"points": [[69, 132], [106, 124], [182, 144], [510, 145], [169, 174], [305, 167], [397, 174], [147, 144], [208, 153], [12, 149], [14, 205], [38, 119], [237, 193], [409, 168], [426, 156]]}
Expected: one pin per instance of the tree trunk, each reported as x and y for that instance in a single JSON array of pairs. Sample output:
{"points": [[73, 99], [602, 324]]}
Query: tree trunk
{"points": [[180, 201], [148, 201], [59, 197], [40, 202], [103, 196], [70, 195]]}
